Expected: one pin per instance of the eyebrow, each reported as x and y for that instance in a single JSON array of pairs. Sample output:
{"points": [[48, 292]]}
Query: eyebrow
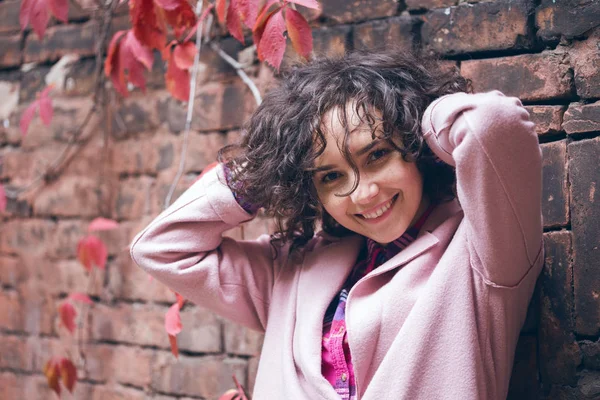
{"points": [[359, 153]]}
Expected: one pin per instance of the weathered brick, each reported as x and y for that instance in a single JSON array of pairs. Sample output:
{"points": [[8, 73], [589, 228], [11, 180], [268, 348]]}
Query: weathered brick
{"points": [[585, 59], [201, 332], [591, 354], [332, 41], [26, 236], [69, 196], [134, 198], [213, 67], [11, 271], [9, 16], [30, 312], [109, 362], [61, 40], [589, 384], [559, 352], [79, 79], [555, 195], [568, 18], [208, 377], [531, 77], [208, 108], [524, 378], [68, 276], [32, 81], [585, 223], [146, 155], [242, 341], [252, 371], [11, 50], [397, 31], [429, 4], [203, 149], [343, 11], [139, 113], [163, 185], [13, 354], [580, 118], [483, 26], [547, 119], [106, 392]]}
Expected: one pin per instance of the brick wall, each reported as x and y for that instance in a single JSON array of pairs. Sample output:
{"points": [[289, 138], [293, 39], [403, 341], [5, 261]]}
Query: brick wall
{"points": [[546, 52]]}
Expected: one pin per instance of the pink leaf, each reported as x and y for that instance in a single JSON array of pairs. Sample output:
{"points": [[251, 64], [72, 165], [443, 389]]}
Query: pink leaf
{"points": [[299, 32], [24, 13], [102, 224], [231, 394], [173, 320], [306, 3], [141, 53], [168, 4], [39, 17], [60, 9], [46, 110], [81, 297], [3, 201], [92, 251], [184, 55], [272, 43], [68, 373], [234, 23], [27, 116], [67, 315], [180, 300], [249, 11]]}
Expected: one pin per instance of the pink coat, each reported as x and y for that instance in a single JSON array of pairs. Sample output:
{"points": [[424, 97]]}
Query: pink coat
{"points": [[440, 320]]}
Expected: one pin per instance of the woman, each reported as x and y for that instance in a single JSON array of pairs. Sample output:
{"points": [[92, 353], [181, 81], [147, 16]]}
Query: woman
{"points": [[429, 201]]}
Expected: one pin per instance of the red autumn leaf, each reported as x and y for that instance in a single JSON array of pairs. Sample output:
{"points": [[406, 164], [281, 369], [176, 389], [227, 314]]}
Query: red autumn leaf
{"points": [[173, 320], [2, 198], [67, 315], [81, 297], [68, 373], [60, 9], [92, 251], [177, 81], [299, 32], [183, 55], [112, 64], [306, 3], [148, 27], [174, 349], [181, 19], [234, 21], [52, 372], [272, 42], [133, 56], [180, 300], [36, 13], [221, 10], [198, 23], [248, 10], [231, 394], [266, 12], [102, 224], [141, 53], [45, 103], [27, 117]]}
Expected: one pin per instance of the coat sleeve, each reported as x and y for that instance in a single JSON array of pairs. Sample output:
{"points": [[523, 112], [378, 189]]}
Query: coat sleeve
{"points": [[184, 248], [490, 140]]}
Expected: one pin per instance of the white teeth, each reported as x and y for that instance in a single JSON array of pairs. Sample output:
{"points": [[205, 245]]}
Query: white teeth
{"points": [[378, 212]]}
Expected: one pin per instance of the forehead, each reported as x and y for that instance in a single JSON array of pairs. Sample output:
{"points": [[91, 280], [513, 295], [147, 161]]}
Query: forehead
{"points": [[358, 122]]}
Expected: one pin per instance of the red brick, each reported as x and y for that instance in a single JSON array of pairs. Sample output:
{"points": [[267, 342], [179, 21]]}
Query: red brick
{"points": [[429, 4], [139, 113], [581, 118], [547, 119], [585, 59], [9, 16], [397, 31], [26, 236], [342, 11], [107, 392], [252, 371], [242, 341], [12, 273], [69, 196], [524, 382], [331, 41], [60, 40], [68, 276], [11, 50], [531, 77], [13, 353], [208, 107], [555, 194], [201, 330], [486, 26], [123, 364], [146, 155], [208, 377], [39, 310], [203, 149], [134, 198], [127, 281], [559, 352], [32, 81], [585, 223], [163, 185], [568, 18]]}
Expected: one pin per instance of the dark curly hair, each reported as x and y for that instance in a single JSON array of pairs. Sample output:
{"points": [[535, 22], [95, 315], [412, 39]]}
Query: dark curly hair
{"points": [[272, 167]]}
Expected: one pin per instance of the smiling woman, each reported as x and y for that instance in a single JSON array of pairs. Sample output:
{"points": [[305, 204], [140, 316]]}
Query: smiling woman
{"points": [[431, 244]]}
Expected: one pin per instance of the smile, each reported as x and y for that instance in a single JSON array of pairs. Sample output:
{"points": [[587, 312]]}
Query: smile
{"points": [[379, 211]]}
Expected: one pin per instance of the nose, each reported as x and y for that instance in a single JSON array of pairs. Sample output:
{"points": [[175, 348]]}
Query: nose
{"points": [[365, 192]]}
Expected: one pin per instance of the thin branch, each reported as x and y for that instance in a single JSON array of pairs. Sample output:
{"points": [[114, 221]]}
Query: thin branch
{"points": [[190, 109], [240, 71]]}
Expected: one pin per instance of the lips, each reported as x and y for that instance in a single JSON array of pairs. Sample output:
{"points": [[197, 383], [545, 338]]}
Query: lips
{"points": [[379, 210]]}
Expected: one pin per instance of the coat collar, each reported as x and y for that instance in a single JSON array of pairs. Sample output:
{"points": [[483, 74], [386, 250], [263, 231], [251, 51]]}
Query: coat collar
{"points": [[323, 273]]}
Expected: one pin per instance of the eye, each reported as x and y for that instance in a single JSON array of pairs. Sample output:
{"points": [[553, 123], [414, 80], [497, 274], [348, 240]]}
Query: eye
{"points": [[378, 154], [330, 177]]}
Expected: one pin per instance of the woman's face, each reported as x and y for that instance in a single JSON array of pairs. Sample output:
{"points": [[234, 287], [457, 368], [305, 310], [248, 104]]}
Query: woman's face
{"points": [[389, 196]]}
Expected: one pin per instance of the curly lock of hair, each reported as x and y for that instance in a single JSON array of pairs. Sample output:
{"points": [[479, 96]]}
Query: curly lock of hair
{"points": [[272, 166]]}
